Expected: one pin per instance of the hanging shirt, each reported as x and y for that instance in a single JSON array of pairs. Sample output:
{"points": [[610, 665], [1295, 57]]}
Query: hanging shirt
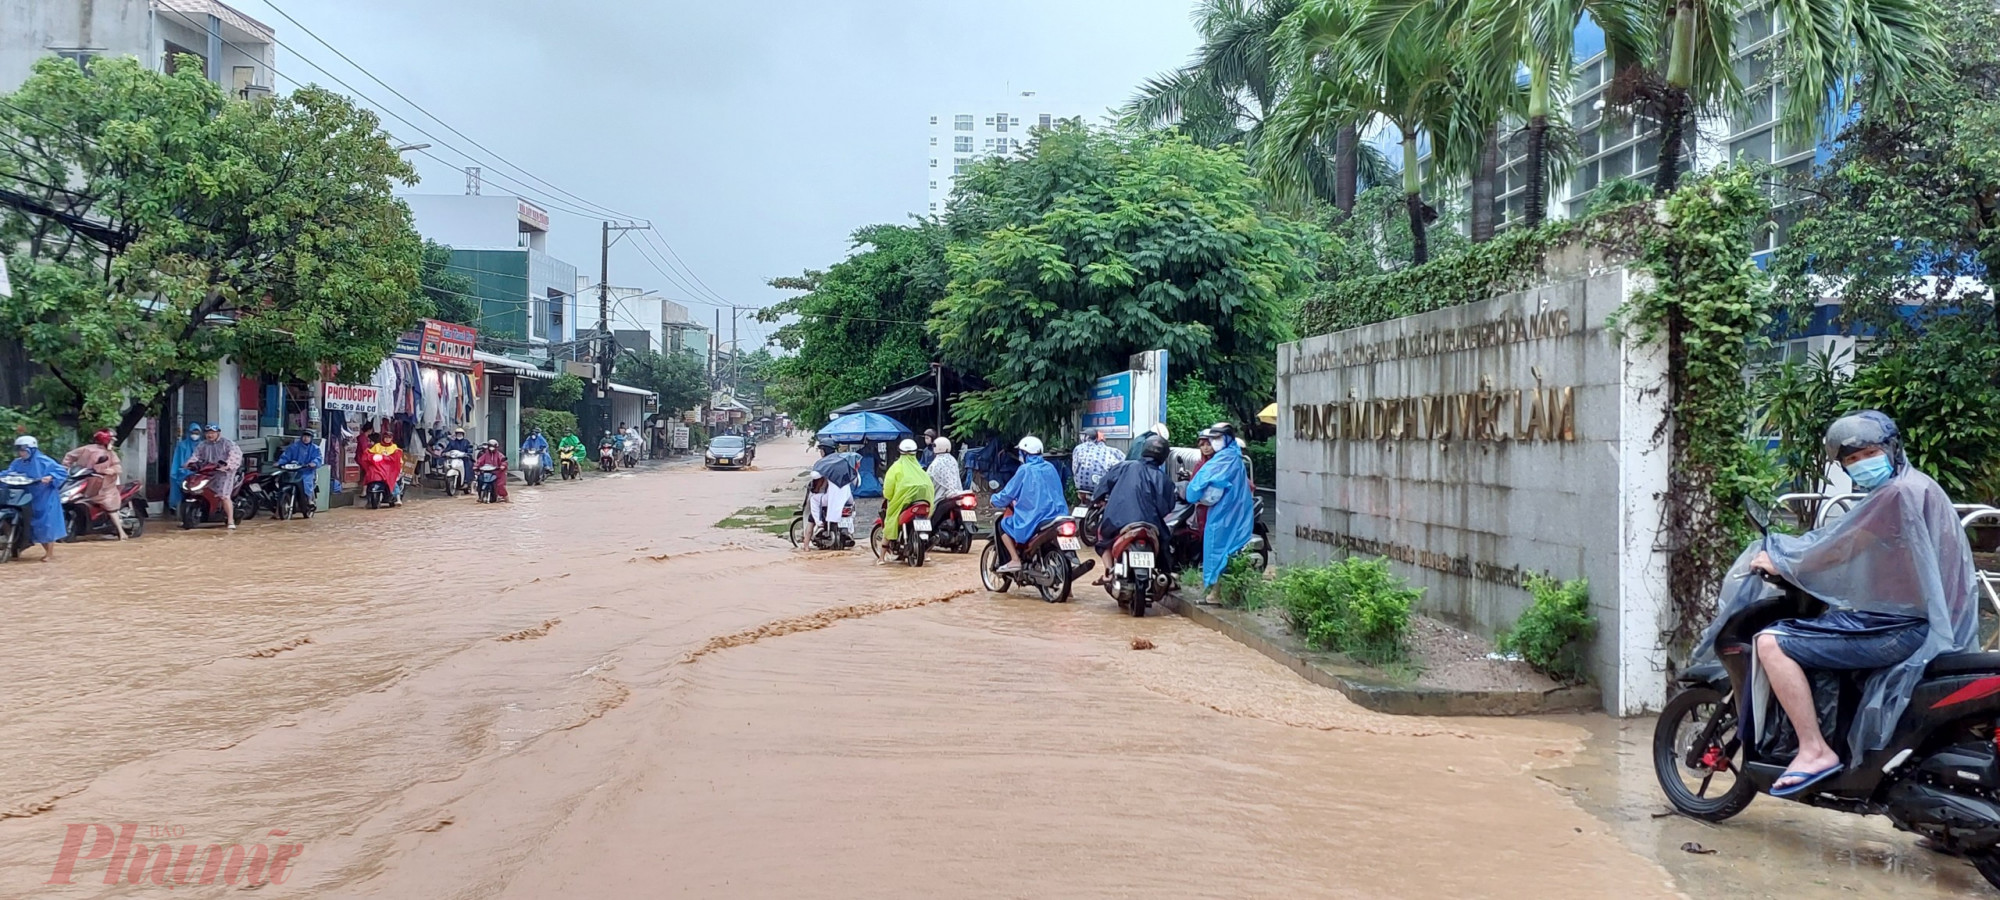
{"points": [[1036, 494], [45, 517], [906, 486], [1224, 486]]}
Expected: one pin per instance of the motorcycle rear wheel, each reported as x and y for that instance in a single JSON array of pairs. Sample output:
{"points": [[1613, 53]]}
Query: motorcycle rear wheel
{"points": [[7, 539], [135, 527], [876, 541], [913, 550], [1054, 586], [1682, 723], [282, 507], [797, 533], [1142, 594]]}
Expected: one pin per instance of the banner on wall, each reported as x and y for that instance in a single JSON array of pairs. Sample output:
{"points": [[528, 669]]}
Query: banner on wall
{"points": [[436, 343], [1110, 408]]}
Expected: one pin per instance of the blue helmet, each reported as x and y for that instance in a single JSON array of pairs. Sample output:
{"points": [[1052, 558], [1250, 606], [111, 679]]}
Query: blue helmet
{"points": [[194, 429]]}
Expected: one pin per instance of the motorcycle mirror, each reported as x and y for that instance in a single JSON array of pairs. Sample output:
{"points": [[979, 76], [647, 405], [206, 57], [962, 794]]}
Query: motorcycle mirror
{"points": [[1760, 515]]}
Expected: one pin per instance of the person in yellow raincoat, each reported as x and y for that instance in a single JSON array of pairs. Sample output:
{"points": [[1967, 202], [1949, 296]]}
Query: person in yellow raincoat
{"points": [[907, 483]]}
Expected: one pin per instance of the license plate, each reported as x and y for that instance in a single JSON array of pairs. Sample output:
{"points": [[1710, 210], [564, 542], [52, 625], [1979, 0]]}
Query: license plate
{"points": [[725, 461], [968, 515], [1079, 512], [1068, 543], [1139, 559], [923, 526]]}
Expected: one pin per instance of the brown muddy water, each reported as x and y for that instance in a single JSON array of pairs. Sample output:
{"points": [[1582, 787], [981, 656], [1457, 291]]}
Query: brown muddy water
{"points": [[591, 692]]}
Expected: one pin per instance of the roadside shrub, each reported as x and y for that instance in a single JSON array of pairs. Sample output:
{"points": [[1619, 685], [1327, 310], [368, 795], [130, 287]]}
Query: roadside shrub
{"points": [[1354, 606], [554, 423], [1242, 584], [1551, 635]]}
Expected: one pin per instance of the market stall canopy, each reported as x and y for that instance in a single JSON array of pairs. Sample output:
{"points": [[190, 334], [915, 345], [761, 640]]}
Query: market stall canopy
{"points": [[863, 426], [511, 366], [1270, 415], [893, 401]]}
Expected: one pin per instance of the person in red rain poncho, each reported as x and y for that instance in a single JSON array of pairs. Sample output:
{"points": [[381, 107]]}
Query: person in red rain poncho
{"points": [[490, 455], [382, 461]]}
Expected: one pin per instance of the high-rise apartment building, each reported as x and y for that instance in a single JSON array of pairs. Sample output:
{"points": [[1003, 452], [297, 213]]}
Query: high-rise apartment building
{"points": [[1000, 128]]}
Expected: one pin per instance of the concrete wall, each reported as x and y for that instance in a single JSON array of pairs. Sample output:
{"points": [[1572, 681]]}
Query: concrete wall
{"points": [[464, 222], [1479, 477], [32, 29]]}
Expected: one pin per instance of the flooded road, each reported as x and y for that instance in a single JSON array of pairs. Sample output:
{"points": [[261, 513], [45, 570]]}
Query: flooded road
{"points": [[592, 692]]}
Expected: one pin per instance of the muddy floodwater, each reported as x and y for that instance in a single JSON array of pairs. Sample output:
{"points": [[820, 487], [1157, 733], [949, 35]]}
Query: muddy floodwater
{"points": [[593, 692]]}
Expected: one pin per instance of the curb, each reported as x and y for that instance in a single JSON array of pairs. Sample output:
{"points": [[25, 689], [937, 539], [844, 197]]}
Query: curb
{"points": [[1359, 685]]}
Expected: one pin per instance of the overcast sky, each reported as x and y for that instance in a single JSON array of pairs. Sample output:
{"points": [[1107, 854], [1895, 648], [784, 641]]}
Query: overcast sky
{"points": [[757, 135]]}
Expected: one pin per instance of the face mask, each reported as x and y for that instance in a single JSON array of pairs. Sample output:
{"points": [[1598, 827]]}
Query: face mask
{"points": [[1871, 473]]}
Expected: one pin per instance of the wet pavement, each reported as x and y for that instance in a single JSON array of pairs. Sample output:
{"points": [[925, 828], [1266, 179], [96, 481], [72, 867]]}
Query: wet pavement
{"points": [[593, 692]]}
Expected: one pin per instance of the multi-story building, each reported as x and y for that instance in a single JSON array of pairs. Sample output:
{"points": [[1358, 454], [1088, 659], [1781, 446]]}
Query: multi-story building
{"points": [[959, 139], [233, 49], [642, 320], [527, 298]]}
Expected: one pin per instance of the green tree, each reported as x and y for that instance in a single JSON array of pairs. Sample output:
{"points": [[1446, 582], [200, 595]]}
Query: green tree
{"points": [[1191, 407], [859, 326], [261, 231], [680, 379], [1095, 246]]}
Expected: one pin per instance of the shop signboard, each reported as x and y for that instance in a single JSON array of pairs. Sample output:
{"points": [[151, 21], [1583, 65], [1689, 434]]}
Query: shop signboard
{"points": [[246, 424], [437, 343], [679, 436], [365, 399], [1110, 409]]}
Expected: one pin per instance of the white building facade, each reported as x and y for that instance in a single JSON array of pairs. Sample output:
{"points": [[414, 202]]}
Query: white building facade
{"points": [[997, 129], [233, 49]]}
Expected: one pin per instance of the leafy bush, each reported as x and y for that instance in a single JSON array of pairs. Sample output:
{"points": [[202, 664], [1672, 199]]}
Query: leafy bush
{"points": [[1936, 384], [561, 392], [1191, 407], [1242, 584], [1552, 633], [1354, 606], [554, 423], [1263, 457]]}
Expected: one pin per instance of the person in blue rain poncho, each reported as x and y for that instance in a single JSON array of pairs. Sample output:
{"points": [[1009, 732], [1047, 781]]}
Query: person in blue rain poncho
{"points": [[1035, 495], [305, 453], [537, 445], [45, 516], [182, 451], [1897, 576], [1223, 485]]}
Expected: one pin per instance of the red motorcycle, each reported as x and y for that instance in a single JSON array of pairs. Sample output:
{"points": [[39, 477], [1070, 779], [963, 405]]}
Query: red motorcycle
{"points": [[1137, 576], [914, 524], [85, 517], [200, 502], [954, 522]]}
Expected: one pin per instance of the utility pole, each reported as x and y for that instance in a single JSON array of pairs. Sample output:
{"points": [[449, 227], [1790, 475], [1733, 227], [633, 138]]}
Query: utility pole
{"points": [[735, 350], [604, 346]]}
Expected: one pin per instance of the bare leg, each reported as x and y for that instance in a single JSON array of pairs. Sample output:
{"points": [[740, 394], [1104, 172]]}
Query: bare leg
{"points": [[117, 522], [1013, 552], [1794, 692], [48, 553], [229, 511]]}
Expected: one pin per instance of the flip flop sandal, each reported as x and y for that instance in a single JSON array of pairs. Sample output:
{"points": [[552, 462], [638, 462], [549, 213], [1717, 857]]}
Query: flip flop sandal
{"points": [[1811, 778]]}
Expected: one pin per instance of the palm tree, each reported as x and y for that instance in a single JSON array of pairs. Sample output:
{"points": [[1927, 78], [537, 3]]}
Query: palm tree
{"points": [[1540, 36], [1844, 51], [1226, 94], [1410, 65]]}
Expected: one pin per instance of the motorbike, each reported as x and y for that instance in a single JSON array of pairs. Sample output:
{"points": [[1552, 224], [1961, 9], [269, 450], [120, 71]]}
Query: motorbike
{"points": [[285, 491], [488, 480], [914, 523], [452, 468], [84, 515], [532, 471], [628, 452], [1938, 776], [200, 502], [1050, 561], [16, 515], [1185, 535], [954, 522], [836, 536], [1136, 579], [571, 469], [607, 459]]}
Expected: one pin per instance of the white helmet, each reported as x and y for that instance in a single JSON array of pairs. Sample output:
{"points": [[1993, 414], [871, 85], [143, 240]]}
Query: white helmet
{"points": [[907, 446], [1030, 445], [27, 441], [941, 445]]}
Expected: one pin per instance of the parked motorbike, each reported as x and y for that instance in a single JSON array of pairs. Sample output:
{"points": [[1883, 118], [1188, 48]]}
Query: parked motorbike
{"points": [[607, 458], [1185, 535], [571, 469], [488, 479], [1939, 776], [954, 522], [85, 517], [16, 514], [1137, 581], [532, 470], [1050, 561], [200, 503], [914, 524]]}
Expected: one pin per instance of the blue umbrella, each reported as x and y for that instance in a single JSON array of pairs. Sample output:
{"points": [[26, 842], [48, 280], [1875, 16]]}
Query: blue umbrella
{"points": [[863, 426]]}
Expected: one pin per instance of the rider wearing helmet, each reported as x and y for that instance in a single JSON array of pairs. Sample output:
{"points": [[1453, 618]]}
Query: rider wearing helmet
{"points": [[490, 454], [1897, 575], [943, 469], [1223, 486], [305, 453], [1138, 491], [105, 472], [1035, 497], [45, 518], [906, 485], [840, 474]]}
